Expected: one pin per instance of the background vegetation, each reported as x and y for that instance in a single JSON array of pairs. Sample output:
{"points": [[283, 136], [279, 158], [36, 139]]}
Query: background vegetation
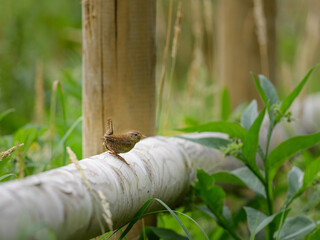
{"points": [[40, 44]]}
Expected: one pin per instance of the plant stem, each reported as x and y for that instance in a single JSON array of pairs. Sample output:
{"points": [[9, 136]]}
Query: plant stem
{"points": [[268, 187]]}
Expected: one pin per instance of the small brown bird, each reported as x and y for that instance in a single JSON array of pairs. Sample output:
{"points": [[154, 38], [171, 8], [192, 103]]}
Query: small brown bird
{"points": [[120, 143]]}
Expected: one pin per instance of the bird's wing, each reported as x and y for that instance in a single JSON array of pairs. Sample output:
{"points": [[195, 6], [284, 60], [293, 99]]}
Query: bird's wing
{"points": [[119, 139]]}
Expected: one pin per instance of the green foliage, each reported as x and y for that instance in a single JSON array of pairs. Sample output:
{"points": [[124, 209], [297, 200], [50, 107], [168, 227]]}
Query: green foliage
{"points": [[155, 233], [296, 228], [245, 147]]}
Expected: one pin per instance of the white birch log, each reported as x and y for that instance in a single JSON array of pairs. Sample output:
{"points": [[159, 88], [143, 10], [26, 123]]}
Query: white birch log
{"points": [[58, 201]]}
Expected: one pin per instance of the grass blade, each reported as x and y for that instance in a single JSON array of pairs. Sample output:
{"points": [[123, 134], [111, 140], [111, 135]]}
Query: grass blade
{"points": [[140, 214]]}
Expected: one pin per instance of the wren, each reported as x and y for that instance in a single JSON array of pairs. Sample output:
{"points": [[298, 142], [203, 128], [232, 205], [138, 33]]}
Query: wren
{"points": [[120, 143]]}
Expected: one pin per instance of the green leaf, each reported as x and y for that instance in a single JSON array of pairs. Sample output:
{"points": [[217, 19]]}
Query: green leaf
{"points": [[228, 177], [243, 177], [311, 172], [257, 220], [249, 115], [260, 90], [286, 103], [289, 148], [269, 90], [209, 142], [295, 181], [205, 180], [296, 228], [251, 143], [165, 234], [225, 105], [231, 128], [246, 176], [212, 195]]}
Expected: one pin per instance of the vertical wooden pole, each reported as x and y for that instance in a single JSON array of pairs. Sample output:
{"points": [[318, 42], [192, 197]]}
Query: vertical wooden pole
{"points": [[238, 50], [118, 69]]}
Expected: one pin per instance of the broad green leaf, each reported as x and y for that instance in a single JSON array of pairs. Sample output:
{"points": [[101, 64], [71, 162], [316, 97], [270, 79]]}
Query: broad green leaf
{"points": [[243, 177], [165, 234], [286, 103], [205, 180], [228, 177], [269, 90], [212, 195], [209, 142], [289, 148], [251, 142], [246, 176], [214, 198], [311, 172], [296, 228], [225, 105], [260, 90], [257, 220], [231, 128], [249, 115], [295, 181]]}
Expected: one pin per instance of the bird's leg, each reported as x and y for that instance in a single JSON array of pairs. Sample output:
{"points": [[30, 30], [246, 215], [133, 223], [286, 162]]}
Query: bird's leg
{"points": [[118, 156]]}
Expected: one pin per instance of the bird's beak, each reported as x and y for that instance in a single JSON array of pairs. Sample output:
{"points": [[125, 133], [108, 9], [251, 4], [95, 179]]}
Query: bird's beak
{"points": [[102, 138], [143, 136]]}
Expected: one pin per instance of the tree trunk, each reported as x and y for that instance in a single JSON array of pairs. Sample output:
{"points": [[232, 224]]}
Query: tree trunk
{"points": [[245, 43], [118, 69]]}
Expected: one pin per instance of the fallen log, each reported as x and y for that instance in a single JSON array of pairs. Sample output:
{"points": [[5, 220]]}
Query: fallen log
{"points": [[60, 201]]}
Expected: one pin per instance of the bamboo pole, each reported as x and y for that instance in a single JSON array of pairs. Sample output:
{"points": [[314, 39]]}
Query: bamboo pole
{"points": [[118, 71]]}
